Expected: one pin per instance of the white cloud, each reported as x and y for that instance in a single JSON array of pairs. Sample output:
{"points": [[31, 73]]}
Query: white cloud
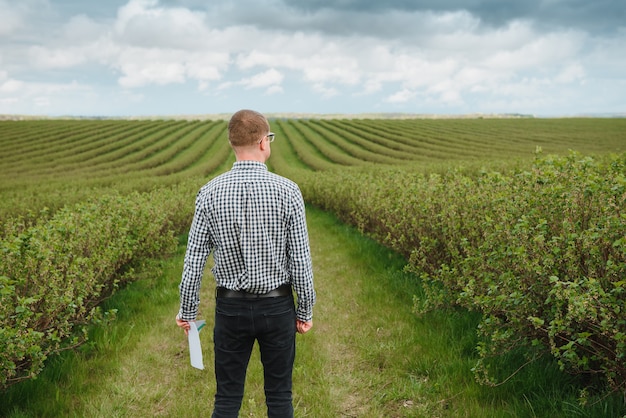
{"points": [[146, 44], [447, 93], [571, 73], [402, 96], [268, 78], [325, 91], [142, 23], [275, 89], [50, 58], [18, 95], [543, 51], [82, 29], [9, 85], [10, 19], [409, 58], [142, 67], [207, 66]]}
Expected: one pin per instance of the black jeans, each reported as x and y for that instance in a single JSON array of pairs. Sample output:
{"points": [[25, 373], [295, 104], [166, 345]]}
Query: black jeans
{"points": [[238, 323]]}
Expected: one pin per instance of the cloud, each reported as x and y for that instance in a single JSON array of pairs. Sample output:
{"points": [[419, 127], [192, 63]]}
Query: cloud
{"points": [[597, 15], [146, 24], [571, 74], [446, 54], [268, 78], [10, 19], [42, 96], [142, 67], [48, 58], [8, 85], [402, 96]]}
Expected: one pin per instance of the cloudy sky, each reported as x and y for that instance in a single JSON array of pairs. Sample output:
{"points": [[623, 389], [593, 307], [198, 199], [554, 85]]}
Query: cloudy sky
{"points": [[165, 57]]}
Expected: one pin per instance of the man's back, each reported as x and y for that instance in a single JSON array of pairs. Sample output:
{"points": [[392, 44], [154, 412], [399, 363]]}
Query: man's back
{"points": [[253, 217]]}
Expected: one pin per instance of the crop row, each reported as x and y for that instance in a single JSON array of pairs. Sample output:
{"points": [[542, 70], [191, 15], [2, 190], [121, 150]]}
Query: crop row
{"points": [[540, 253], [55, 273], [36, 150], [55, 162]]}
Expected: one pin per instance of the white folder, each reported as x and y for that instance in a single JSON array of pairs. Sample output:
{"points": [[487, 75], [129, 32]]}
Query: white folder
{"points": [[195, 350]]}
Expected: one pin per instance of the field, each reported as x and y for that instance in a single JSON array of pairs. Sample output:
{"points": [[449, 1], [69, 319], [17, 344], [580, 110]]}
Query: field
{"points": [[49, 163], [525, 210]]}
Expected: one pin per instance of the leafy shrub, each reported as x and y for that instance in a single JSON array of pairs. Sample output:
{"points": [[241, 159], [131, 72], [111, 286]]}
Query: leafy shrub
{"points": [[540, 253], [55, 272]]}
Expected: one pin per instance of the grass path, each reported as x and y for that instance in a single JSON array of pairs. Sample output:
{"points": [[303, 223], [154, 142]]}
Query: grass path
{"points": [[367, 355]]}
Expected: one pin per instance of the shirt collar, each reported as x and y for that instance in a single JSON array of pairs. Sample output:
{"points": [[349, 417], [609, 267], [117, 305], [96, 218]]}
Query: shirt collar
{"points": [[249, 165]]}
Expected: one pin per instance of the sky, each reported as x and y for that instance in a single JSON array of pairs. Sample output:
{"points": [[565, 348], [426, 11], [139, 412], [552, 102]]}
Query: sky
{"points": [[189, 57]]}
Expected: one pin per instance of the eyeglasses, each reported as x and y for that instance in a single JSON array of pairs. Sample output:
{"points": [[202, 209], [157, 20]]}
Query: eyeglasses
{"points": [[270, 137]]}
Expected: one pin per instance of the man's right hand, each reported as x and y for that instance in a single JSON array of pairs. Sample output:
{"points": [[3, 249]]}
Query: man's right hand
{"points": [[183, 324], [303, 327]]}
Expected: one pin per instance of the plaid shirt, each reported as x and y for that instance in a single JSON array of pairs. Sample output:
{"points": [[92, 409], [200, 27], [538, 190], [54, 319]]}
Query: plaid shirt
{"points": [[254, 223]]}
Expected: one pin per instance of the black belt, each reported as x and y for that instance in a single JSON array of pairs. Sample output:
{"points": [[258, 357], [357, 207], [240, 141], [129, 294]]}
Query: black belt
{"points": [[284, 290]]}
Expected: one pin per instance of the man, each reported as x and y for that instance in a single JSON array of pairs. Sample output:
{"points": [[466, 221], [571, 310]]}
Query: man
{"points": [[254, 223]]}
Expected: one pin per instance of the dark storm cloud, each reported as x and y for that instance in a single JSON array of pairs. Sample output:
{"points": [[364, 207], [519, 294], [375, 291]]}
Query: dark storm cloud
{"points": [[591, 15]]}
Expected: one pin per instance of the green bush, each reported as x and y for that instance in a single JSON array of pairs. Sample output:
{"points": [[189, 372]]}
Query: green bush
{"points": [[55, 272], [541, 253]]}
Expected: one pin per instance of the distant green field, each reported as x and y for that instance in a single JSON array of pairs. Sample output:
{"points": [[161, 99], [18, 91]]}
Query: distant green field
{"points": [[32, 151], [45, 163]]}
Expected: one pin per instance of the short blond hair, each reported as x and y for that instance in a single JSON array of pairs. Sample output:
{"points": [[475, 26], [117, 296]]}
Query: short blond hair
{"points": [[247, 127]]}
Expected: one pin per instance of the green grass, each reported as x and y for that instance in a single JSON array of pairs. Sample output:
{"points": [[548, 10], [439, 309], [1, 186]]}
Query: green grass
{"points": [[368, 354]]}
